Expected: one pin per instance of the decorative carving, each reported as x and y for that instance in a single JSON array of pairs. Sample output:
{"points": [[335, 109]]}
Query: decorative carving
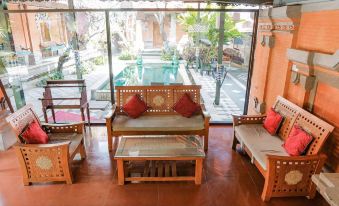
{"points": [[284, 26], [259, 106], [295, 77], [293, 177], [158, 100], [267, 40], [44, 163]]}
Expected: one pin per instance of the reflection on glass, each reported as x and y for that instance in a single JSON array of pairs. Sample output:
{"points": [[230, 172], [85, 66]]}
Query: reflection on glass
{"points": [[148, 48], [36, 47], [160, 146]]}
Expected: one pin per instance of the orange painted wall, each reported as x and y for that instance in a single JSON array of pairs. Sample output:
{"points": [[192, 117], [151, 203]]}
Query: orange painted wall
{"points": [[326, 106], [278, 67], [318, 31]]}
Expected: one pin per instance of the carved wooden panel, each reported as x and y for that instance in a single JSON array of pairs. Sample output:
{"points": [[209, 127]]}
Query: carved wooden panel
{"points": [[21, 118], [289, 111], [160, 99]]}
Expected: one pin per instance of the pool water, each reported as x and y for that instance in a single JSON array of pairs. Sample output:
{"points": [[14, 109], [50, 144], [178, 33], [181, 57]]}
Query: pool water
{"points": [[147, 74]]}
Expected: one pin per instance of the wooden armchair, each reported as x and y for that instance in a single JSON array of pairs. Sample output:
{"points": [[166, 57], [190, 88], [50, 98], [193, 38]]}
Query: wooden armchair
{"points": [[51, 161]]}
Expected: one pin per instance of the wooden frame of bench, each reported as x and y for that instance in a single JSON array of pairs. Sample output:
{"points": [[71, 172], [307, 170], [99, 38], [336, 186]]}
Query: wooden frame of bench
{"points": [[48, 104], [281, 167], [169, 93]]}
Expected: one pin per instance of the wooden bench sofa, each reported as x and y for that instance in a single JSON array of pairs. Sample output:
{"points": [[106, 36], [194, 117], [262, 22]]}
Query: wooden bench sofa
{"points": [[160, 118], [284, 175]]}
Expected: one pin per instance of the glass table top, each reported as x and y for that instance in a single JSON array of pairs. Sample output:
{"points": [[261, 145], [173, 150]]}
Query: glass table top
{"points": [[160, 146]]}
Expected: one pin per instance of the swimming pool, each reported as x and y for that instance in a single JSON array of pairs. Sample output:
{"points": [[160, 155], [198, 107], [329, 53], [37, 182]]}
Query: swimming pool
{"points": [[147, 74]]}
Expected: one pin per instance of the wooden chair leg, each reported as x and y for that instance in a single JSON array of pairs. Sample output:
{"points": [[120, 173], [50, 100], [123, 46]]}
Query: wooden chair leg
{"points": [[83, 117], [69, 181], [45, 115], [53, 115], [313, 192], [110, 143], [83, 151], [26, 183], [82, 114], [265, 196], [235, 142], [88, 116], [206, 142]]}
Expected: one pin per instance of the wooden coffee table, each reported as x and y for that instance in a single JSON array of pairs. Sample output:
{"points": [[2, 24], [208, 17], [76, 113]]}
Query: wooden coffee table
{"points": [[165, 149]]}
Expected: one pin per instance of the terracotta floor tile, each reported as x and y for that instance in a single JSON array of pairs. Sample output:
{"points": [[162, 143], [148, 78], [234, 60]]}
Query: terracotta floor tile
{"points": [[229, 178], [139, 194], [87, 190], [177, 194]]}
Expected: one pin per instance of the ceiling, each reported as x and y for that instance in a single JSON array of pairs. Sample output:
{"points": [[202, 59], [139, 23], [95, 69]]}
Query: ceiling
{"points": [[224, 2]]}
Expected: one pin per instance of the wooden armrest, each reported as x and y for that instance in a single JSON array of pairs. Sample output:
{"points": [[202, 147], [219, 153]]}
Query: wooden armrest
{"points": [[42, 146], [274, 158], [111, 113], [205, 113], [294, 163], [248, 119], [64, 128]]}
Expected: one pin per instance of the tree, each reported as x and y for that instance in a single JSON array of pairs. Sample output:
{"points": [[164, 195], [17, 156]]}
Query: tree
{"points": [[208, 19], [160, 17]]}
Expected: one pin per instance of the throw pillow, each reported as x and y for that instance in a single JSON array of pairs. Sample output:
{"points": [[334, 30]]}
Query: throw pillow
{"points": [[185, 106], [135, 107], [297, 142], [34, 134], [273, 121]]}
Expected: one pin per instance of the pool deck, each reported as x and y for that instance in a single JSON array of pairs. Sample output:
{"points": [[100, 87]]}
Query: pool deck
{"points": [[232, 94]]}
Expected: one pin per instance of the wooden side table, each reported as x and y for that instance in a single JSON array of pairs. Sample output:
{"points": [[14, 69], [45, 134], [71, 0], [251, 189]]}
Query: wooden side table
{"points": [[160, 154]]}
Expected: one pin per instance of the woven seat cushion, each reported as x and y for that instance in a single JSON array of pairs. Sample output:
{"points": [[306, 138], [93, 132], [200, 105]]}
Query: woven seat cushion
{"points": [[63, 137], [158, 123], [259, 142]]}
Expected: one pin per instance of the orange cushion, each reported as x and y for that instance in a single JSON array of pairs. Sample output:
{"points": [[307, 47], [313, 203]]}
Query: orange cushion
{"points": [[185, 106], [135, 107], [273, 121], [34, 134], [297, 142]]}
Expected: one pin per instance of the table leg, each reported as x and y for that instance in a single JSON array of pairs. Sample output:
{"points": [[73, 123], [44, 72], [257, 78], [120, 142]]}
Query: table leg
{"points": [[198, 171], [121, 172]]}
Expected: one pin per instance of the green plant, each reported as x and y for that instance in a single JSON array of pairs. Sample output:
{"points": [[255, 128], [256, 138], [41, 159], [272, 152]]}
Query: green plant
{"points": [[188, 54], [2, 67], [208, 19], [126, 56], [167, 54], [56, 75], [87, 67], [99, 60]]}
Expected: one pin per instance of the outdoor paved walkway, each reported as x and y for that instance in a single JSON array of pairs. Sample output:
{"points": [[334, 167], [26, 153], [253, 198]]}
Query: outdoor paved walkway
{"points": [[232, 95]]}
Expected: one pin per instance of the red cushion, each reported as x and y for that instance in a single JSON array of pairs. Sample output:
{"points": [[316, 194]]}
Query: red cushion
{"points": [[297, 141], [273, 121], [34, 134], [135, 107], [185, 106]]}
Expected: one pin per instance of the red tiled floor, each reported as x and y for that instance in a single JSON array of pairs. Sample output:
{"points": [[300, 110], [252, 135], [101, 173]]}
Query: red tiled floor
{"points": [[228, 179]]}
